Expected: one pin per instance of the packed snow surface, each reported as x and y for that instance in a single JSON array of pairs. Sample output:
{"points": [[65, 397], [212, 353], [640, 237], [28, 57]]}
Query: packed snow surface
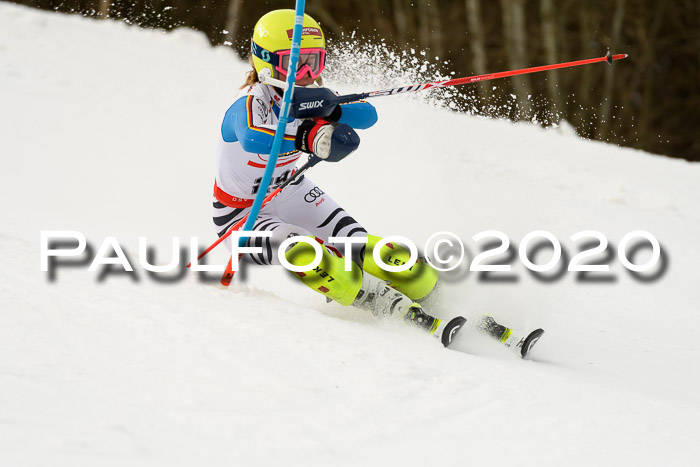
{"points": [[109, 130]]}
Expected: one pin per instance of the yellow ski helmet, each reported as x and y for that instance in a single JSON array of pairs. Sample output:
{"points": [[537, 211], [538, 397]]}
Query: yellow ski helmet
{"points": [[272, 39]]}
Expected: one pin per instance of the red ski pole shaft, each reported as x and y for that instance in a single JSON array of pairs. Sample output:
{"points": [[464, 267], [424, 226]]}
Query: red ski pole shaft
{"points": [[229, 272], [524, 71], [478, 78]]}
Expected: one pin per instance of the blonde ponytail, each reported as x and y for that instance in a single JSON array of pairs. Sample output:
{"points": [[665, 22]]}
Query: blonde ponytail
{"points": [[251, 77]]}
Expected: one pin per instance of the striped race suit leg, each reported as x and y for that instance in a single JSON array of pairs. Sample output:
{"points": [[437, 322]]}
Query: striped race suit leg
{"points": [[300, 209]]}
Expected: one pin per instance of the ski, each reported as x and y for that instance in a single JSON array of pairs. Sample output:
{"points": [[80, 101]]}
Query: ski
{"points": [[509, 337], [446, 332], [526, 345]]}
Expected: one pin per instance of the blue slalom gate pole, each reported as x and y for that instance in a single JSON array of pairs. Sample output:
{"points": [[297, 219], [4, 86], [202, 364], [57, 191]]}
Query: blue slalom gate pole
{"points": [[283, 121]]}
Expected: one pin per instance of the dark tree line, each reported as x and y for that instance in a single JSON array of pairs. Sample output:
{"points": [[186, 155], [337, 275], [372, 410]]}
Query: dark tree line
{"points": [[648, 101]]}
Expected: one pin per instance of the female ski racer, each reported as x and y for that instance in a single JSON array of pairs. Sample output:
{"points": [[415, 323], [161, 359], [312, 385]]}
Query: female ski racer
{"points": [[303, 208]]}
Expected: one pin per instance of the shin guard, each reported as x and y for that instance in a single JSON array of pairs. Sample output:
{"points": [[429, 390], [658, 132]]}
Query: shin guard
{"points": [[330, 277], [416, 282]]}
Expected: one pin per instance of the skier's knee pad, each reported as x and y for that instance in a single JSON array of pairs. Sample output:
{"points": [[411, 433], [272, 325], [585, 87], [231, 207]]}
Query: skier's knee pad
{"points": [[416, 282], [330, 277]]}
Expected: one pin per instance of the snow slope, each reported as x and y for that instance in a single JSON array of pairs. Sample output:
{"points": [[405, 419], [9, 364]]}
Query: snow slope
{"points": [[109, 130]]}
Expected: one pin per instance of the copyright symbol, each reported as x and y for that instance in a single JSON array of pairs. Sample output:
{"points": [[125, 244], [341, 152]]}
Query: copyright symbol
{"points": [[442, 249]]}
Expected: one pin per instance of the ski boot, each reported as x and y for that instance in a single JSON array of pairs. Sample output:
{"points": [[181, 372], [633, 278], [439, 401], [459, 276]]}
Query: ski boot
{"points": [[382, 300], [509, 337]]}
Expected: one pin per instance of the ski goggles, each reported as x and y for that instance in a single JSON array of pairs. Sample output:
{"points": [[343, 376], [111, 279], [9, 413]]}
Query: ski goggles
{"points": [[311, 60]]}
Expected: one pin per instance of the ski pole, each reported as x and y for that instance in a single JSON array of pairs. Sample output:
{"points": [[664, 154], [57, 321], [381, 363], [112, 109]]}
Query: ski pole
{"points": [[320, 102], [313, 160], [475, 79]]}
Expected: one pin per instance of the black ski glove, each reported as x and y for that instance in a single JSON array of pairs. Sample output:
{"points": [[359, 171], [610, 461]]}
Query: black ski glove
{"points": [[328, 141], [314, 137]]}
